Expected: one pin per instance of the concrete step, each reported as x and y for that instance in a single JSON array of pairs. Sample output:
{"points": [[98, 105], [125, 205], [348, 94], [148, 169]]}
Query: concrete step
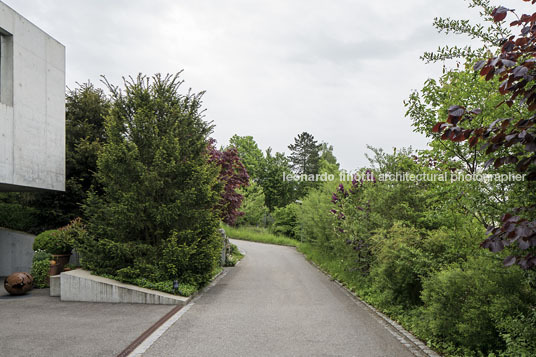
{"points": [[80, 285]]}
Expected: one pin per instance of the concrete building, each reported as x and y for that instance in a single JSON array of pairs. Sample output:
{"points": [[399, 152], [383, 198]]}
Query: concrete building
{"points": [[32, 122], [32, 106]]}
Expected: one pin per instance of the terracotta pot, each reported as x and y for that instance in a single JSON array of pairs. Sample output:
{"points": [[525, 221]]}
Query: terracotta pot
{"points": [[61, 259], [54, 269]]}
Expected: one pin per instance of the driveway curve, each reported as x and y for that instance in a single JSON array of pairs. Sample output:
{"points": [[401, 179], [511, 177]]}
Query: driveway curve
{"points": [[274, 303]]}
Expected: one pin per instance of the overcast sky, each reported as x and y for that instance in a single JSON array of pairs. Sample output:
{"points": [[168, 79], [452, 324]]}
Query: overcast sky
{"points": [[338, 69]]}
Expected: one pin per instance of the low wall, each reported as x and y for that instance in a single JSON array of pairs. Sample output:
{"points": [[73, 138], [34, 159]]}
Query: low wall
{"points": [[16, 251], [80, 285]]}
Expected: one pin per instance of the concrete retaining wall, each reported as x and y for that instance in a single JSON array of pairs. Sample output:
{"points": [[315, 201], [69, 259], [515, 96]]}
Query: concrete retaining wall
{"points": [[80, 285], [16, 251]]}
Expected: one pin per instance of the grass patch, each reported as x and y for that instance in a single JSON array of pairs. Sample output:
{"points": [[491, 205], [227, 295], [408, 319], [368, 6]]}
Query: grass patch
{"points": [[339, 269], [261, 235]]}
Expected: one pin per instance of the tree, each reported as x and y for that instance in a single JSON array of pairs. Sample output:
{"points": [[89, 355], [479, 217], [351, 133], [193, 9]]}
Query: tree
{"points": [[86, 106], [250, 154], [278, 192], [305, 155], [155, 217], [328, 161], [232, 177], [514, 140], [326, 153], [489, 33], [426, 107], [255, 211]]}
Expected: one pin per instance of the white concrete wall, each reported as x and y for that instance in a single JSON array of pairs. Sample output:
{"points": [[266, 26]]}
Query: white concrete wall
{"points": [[32, 106], [80, 285], [16, 252]]}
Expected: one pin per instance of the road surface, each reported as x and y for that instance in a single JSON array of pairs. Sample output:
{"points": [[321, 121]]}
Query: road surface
{"points": [[274, 303]]}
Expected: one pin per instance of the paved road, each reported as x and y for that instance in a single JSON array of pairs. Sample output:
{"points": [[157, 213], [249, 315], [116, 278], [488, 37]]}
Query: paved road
{"points": [[274, 303], [39, 325]]}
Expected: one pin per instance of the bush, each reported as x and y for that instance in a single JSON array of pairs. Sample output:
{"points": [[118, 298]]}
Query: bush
{"points": [[400, 263], [285, 220], [519, 334], [184, 289], [314, 221], [18, 217], [54, 242], [40, 269], [465, 304], [404, 256], [41, 255], [255, 212]]}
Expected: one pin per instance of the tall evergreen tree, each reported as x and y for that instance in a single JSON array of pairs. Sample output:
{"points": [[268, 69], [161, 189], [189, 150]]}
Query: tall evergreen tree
{"points": [[155, 217], [305, 154]]}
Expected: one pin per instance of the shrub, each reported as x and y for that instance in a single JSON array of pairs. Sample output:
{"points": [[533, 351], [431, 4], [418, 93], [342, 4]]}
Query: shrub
{"points": [[400, 263], [41, 255], [54, 242], [519, 334], [285, 220], [314, 221], [255, 212], [40, 269], [465, 304], [16, 216], [404, 256]]}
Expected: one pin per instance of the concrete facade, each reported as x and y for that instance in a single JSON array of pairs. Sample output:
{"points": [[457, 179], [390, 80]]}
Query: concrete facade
{"points": [[32, 106], [16, 251]]}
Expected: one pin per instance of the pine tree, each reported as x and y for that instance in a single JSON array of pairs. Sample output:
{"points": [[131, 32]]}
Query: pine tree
{"points": [[305, 154]]}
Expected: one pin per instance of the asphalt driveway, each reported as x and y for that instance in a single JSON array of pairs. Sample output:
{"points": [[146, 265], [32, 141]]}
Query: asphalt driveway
{"points": [[274, 303], [39, 325]]}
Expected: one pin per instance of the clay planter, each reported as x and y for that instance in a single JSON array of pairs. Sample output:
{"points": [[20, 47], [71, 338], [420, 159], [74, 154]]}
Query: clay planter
{"points": [[54, 270], [62, 260]]}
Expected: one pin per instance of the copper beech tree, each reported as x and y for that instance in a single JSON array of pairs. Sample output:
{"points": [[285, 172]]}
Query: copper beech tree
{"points": [[232, 176], [511, 142]]}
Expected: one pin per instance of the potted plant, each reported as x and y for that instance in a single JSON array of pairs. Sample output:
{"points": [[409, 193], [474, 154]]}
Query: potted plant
{"points": [[57, 243]]}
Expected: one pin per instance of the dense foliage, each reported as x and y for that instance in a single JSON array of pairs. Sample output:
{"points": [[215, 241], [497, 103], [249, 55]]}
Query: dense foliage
{"points": [[511, 139], [40, 268], [53, 242], [86, 106], [155, 216], [232, 177]]}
